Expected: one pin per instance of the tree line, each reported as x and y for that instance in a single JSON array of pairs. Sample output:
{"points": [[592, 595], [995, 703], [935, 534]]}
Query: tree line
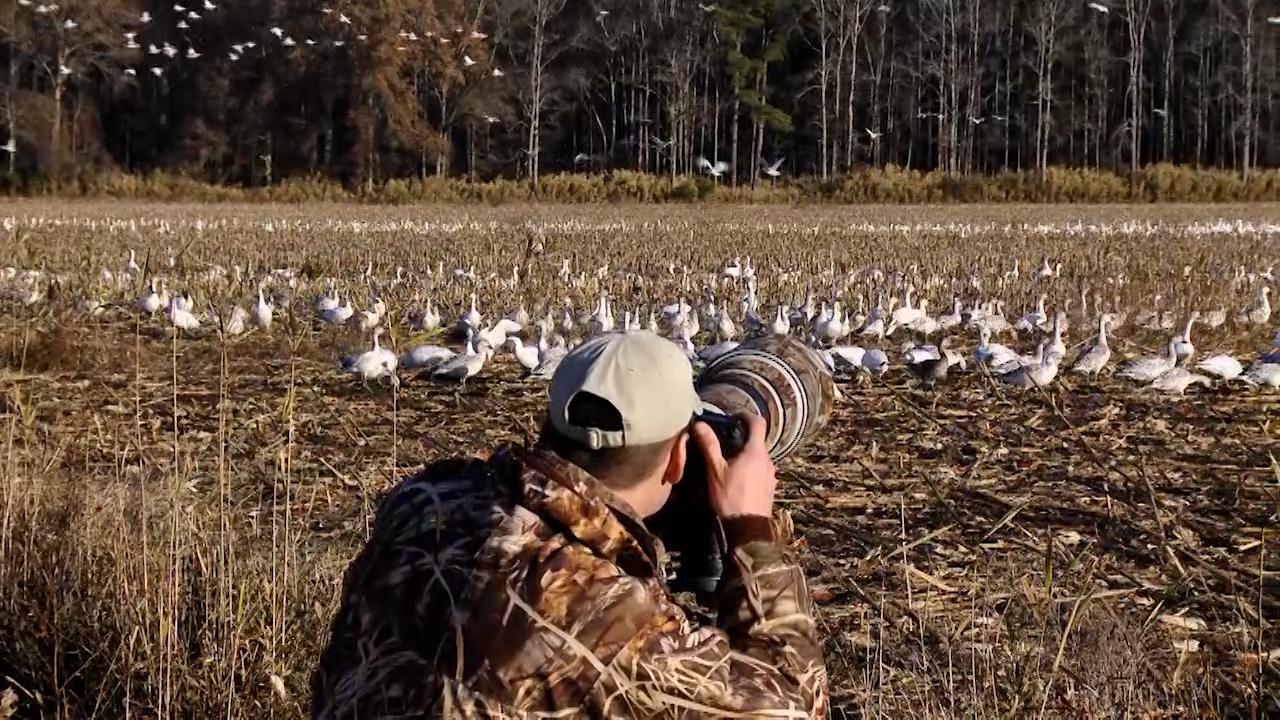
{"points": [[362, 91]]}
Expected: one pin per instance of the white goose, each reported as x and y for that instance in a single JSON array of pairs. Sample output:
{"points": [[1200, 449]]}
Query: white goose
{"points": [[1261, 312], [338, 314], [1175, 381], [373, 364], [875, 361], [1223, 367], [263, 312], [153, 300], [472, 317], [1147, 369], [466, 365], [1095, 358], [180, 316], [236, 324], [551, 358], [527, 355], [951, 320], [781, 325], [1182, 346], [1263, 374], [426, 356], [991, 354], [1032, 320], [1037, 374]]}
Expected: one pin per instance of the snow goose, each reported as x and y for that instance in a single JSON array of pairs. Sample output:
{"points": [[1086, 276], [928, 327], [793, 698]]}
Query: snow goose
{"points": [[550, 361], [497, 335], [1035, 358], [236, 324], [152, 300], [1182, 346], [327, 301], [924, 324], [847, 356], [1260, 313], [1038, 374], [951, 320], [906, 314], [263, 311], [725, 328], [1263, 374], [781, 325], [875, 361], [989, 354], [472, 317], [1223, 367], [527, 355], [1147, 369], [467, 365], [829, 328], [1175, 381], [179, 314], [930, 368], [338, 314], [1214, 318], [1094, 358], [1056, 346], [1034, 319], [373, 364], [426, 356], [711, 352]]}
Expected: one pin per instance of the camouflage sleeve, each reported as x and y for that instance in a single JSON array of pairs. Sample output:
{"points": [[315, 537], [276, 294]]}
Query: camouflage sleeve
{"points": [[765, 658]]}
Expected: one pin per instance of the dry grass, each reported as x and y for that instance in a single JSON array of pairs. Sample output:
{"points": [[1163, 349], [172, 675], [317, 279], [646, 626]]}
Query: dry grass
{"points": [[1154, 183], [175, 514]]}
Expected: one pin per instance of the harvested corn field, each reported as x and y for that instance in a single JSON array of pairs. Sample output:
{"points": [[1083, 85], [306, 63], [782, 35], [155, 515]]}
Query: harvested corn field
{"points": [[196, 437]]}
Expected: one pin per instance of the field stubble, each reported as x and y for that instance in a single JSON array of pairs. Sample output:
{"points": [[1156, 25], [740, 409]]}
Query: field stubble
{"points": [[177, 513]]}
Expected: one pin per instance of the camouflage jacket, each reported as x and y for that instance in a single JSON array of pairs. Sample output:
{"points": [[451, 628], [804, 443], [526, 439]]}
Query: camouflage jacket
{"points": [[520, 586]]}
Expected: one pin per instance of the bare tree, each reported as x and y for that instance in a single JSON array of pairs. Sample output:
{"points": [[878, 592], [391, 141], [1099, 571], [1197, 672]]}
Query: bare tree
{"points": [[1047, 20]]}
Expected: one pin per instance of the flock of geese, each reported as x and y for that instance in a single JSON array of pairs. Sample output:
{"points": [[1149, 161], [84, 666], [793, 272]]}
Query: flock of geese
{"points": [[854, 334]]}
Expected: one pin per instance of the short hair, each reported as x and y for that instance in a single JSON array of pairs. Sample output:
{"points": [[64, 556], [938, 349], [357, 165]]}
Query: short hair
{"points": [[618, 468]]}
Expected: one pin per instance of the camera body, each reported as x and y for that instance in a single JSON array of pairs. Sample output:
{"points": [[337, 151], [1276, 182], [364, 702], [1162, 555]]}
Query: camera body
{"points": [[776, 377]]}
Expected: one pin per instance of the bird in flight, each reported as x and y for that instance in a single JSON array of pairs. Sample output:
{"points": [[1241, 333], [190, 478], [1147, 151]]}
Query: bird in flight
{"points": [[719, 168], [773, 170]]}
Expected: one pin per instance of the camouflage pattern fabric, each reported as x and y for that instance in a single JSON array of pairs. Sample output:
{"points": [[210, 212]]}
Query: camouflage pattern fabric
{"points": [[521, 587]]}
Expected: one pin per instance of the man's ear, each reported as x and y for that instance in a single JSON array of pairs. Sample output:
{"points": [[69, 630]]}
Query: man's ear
{"points": [[679, 454]]}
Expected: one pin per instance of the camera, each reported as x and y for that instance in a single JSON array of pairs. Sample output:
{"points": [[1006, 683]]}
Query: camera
{"points": [[776, 377]]}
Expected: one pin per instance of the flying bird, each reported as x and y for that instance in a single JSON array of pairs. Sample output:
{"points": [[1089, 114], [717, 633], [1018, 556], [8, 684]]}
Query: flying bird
{"points": [[467, 61], [10, 147], [70, 24], [874, 135], [772, 170], [497, 72], [719, 168], [1099, 7]]}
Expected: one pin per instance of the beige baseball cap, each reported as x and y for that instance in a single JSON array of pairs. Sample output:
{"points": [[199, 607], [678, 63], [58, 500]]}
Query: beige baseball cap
{"points": [[646, 378]]}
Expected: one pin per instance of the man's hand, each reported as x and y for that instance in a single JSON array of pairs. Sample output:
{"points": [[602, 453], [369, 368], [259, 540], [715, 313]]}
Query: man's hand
{"points": [[744, 485]]}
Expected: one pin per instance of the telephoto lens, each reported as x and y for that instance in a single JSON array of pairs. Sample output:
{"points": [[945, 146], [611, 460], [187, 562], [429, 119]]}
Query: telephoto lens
{"points": [[776, 377]]}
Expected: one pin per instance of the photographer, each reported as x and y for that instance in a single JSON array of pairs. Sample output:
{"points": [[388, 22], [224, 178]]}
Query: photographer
{"points": [[527, 583]]}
